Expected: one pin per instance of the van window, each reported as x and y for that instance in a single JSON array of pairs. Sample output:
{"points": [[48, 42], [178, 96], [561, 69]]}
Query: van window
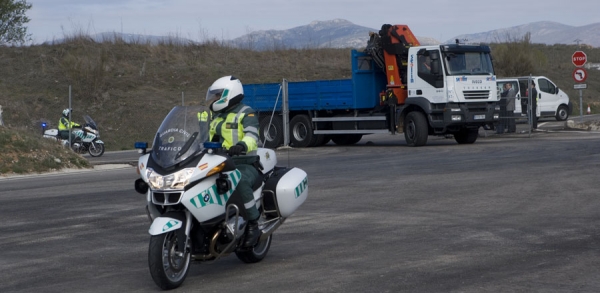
{"points": [[546, 86], [502, 91]]}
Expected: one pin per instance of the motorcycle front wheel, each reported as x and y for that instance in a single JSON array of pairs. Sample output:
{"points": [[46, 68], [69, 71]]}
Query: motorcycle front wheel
{"points": [[96, 149], [257, 253], [169, 263]]}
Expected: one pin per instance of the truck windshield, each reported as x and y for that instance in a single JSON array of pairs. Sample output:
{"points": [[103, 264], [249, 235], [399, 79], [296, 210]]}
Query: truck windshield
{"points": [[468, 63]]}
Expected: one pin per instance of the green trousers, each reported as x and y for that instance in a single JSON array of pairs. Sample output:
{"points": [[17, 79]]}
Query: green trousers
{"points": [[249, 175]]}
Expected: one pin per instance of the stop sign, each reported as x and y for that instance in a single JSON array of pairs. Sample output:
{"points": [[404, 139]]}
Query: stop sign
{"points": [[579, 58]]}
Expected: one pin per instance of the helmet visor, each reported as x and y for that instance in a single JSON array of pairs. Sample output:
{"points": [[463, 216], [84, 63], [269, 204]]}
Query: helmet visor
{"points": [[215, 94]]}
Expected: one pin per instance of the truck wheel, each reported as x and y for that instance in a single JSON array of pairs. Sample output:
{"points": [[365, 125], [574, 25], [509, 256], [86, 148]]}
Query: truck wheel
{"points": [[467, 135], [346, 139], [274, 137], [562, 113], [301, 132], [415, 129]]}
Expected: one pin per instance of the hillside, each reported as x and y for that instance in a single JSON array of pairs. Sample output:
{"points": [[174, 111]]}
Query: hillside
{"points": [[128, 88]]}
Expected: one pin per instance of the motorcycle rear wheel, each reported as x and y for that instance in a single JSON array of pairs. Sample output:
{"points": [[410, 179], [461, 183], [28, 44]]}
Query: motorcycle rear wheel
{"points": [[169, 264], [257, 253], [96, 149]]}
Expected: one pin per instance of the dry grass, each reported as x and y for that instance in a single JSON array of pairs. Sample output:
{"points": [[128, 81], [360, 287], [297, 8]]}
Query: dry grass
{"points": [[128, 88], [23, 152]]}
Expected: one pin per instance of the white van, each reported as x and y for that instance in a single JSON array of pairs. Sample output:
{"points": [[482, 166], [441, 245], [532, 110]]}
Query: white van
{"points": [[552, 102]]}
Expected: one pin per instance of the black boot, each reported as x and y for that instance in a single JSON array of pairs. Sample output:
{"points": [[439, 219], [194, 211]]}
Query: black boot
{"points": [[252, 234]]}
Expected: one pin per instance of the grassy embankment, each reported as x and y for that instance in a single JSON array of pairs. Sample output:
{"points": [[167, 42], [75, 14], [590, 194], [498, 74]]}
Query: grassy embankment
{"points": [[129, 88]]}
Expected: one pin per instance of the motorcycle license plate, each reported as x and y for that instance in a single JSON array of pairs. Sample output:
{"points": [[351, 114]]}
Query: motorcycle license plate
{"points": [[479, 117]]}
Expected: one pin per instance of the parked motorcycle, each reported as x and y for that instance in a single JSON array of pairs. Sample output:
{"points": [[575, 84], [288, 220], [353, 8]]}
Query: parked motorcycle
{"points": [[194, 209], [87, 138]]}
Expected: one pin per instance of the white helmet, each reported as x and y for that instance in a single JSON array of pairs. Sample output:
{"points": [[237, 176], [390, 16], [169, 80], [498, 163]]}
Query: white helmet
{"points": [[225, 93], [66, 112]]}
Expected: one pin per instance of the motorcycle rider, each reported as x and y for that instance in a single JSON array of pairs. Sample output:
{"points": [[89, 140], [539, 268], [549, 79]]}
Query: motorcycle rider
{"points": [[236, 126], [64, 125]]}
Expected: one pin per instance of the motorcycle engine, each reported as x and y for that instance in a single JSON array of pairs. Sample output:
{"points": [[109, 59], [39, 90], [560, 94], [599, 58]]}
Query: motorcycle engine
{"points": [[231, 229]]}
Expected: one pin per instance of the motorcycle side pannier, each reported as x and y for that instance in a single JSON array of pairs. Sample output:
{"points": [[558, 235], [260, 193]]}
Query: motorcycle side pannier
{"points": [[285, 191]]}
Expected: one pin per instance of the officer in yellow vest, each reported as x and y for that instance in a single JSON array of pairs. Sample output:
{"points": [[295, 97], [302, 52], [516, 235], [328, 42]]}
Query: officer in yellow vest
{"points": [[64, 124], [236, 126]]}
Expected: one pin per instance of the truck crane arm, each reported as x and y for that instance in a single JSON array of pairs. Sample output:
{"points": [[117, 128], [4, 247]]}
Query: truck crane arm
{"points": [[389, 50]]}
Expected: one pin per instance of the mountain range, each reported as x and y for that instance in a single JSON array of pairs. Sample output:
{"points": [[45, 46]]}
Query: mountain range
{"points": [[543, 32], [337, 33], [341, 33]]}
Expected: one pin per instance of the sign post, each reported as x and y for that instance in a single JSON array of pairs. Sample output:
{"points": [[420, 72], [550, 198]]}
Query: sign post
{"points": [[579, 59]]}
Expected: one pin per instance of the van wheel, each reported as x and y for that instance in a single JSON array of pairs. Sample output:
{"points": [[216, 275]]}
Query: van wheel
{"points": [[562, 113]]}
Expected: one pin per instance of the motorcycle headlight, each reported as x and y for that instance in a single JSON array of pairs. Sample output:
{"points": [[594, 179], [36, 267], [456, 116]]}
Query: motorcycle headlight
{"points": [[175, 181]]}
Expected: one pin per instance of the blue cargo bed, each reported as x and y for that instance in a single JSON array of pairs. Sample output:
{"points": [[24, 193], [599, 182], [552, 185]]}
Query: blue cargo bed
{"points": [[360, 92]]}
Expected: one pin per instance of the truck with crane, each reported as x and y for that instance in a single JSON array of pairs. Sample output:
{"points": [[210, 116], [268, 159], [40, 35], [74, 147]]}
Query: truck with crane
{"points": [[396, 86]]}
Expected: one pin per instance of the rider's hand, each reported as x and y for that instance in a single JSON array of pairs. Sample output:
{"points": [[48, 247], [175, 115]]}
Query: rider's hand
{"points": [[236, 150]]}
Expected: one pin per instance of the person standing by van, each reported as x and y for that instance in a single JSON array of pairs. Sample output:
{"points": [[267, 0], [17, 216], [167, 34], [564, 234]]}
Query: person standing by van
{"points": [[534, 95], [510, 94]]}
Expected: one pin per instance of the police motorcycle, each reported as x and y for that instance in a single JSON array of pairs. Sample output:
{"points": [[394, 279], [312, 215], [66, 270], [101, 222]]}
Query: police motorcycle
{"points": [[87, 138], [192, 204]]}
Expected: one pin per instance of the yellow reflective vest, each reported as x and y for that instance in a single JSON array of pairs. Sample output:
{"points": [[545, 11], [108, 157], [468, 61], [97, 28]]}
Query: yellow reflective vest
{"points": [[65, 124], [238, 125]]}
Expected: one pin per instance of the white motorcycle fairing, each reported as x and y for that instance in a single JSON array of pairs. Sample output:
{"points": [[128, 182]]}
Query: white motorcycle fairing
{"points": [[162, 225]]}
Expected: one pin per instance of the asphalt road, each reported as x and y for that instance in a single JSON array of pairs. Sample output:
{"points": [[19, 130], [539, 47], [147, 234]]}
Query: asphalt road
{"points": [[510, 213]]}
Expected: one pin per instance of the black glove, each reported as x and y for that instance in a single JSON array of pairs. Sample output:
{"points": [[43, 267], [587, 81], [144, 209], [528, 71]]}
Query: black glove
{"points": [[236, 150]]}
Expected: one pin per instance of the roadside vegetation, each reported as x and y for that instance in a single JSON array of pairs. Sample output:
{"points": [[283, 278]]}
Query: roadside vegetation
{"points": [[127, 88], [22, 152]]}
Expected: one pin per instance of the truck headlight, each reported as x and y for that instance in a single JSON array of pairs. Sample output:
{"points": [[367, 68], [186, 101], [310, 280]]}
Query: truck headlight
{"points": [[175, 181], [456, 117], [496, 116]]}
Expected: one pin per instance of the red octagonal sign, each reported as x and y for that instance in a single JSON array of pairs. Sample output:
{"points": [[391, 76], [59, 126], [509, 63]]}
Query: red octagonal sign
{"points": [[579, 58]]}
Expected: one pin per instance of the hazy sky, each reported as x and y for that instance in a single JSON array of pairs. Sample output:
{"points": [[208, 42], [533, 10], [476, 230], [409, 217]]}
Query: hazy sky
{"points": [[228, 19]]}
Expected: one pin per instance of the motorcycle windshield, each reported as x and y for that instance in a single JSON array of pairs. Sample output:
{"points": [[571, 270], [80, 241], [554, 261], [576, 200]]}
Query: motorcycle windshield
{"points": [[89, 121], [181, 135]]}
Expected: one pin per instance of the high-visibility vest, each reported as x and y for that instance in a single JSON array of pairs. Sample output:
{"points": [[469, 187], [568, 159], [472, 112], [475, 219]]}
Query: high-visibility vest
{"points": [[240, 124]]}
